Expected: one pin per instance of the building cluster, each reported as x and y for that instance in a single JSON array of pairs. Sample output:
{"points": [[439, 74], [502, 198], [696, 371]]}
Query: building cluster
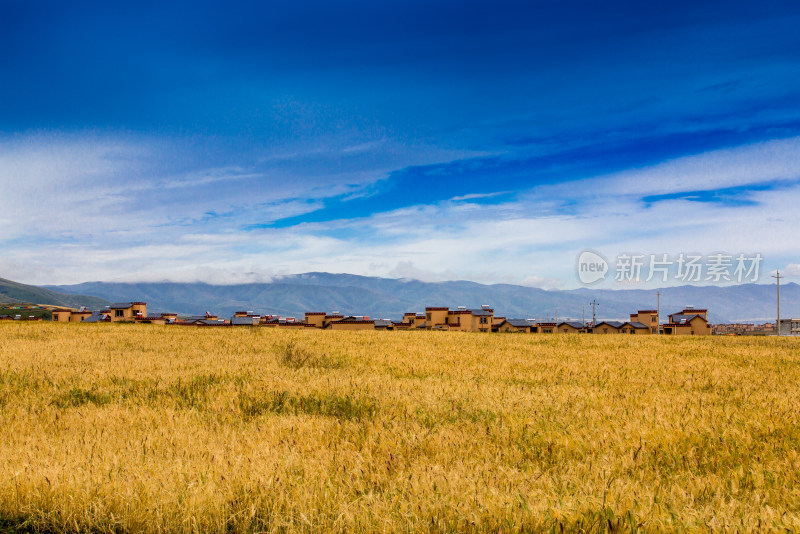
{"points": [[689, 321], [788, 327]]}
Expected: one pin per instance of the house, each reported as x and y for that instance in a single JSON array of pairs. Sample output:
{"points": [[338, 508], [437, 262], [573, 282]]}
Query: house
{"points": [[648, 318], [276, 321], [245, 320], [157, 318], [352, 322], [209, 319], [192, 319], [61, 315], [127, 311], [415, 320], [98, 317], [608, 327], [384, 324], [402, 325], [436, 317], [789, 327], [634, 327], [513, 326], [151, 319], [570, 327], [332, 318], [465, 320], [316, 319], [689, 321], [544, 328], [64, 315]]}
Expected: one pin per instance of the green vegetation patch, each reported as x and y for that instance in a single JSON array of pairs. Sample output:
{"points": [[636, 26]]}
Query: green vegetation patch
{"points": [[344, 407]]}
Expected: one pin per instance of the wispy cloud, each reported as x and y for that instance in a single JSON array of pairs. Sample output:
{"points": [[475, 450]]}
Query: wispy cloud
{"points": [[486, 144]]}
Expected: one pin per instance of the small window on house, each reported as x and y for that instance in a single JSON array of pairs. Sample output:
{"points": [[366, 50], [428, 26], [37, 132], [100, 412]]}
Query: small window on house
{"points": [[428, 316], [55, 317], [653, 319], [119, 313], [483, 320]]}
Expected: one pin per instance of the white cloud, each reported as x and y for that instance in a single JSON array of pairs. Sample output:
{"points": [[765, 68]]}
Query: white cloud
{"points": [[792, 270], [76, 210]]}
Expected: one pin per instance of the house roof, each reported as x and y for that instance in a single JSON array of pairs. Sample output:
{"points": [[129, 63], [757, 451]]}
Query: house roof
{"points": [[614, 324], [123, 305], [383, 322], [684, 318], [96, 317], [519, 323], [195, 318], [637, 324], [573, 324]]}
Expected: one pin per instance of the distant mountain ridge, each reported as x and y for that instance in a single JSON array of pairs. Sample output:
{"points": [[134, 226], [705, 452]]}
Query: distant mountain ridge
{"points": [[14, 292], [386, 297]]}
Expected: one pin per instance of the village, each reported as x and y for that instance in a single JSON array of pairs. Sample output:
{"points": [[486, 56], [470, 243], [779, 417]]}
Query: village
{"points": [[688, 321]]}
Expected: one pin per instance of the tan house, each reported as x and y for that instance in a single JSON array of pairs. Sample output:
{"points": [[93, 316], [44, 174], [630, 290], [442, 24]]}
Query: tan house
{"points": [[352, 323], [570, 327], [465, 320], [127, 311], [404, 324], [513, 326], [688, 322], [436, 317], [608, 327], [64, 315], [544, 328], [634, 327], [316, 319], [649, 318], [416, 320]]}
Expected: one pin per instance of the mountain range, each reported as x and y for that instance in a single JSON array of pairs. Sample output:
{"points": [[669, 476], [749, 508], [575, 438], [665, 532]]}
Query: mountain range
{"points": [[390, 298], [14, 292]]}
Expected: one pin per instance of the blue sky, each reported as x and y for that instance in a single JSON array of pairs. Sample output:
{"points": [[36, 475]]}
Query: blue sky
{"points": [[434, 140]]}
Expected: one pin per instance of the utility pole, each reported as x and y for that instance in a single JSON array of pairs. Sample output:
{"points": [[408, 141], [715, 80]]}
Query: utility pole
{"points": [[658, 311], [777, 276], [594, 311]]}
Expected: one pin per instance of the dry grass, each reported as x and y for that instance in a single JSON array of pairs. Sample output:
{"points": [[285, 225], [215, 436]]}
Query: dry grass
{"points": [[130, 428]]}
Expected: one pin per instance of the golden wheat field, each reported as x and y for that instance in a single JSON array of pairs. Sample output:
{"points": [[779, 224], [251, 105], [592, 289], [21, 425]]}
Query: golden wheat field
{"points": [[139, 428]]}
